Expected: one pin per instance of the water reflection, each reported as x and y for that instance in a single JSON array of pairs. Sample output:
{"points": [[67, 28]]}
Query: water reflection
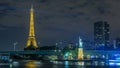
{"points": [[11, 66], [58, 64], [80, 63], [66, 64], [30, 64]]}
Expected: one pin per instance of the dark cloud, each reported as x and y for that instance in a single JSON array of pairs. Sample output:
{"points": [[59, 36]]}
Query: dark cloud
{"points": [[4, 27], [5, 8]]}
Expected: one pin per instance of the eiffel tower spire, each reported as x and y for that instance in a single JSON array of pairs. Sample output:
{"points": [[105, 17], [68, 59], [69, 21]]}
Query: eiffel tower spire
{"points": [[31, 31], [31, 42]]}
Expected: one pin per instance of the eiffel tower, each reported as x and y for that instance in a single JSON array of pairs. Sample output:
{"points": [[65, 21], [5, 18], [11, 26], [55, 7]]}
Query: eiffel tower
{"points": [[31, 42]]}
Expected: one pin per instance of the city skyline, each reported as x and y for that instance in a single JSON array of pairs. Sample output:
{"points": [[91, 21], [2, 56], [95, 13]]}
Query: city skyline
{"points": [[55, 21]]}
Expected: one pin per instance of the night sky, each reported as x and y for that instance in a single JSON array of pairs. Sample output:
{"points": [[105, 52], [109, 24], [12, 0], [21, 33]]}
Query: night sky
{"points": [[55, 20]]}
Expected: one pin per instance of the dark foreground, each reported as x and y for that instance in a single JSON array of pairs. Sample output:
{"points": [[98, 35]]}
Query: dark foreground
{"points": [[57, 64]]}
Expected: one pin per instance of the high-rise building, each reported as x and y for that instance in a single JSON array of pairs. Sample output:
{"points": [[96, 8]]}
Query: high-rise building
{"points": [[31, 42], [101, 34], [117, 43]]}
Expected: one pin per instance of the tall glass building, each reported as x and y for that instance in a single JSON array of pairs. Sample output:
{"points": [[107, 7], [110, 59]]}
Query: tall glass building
{"points": [[101, 34]]}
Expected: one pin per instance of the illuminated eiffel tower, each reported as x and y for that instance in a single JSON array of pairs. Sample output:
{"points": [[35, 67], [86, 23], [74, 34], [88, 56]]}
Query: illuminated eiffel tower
{"points": [[31, 42]]}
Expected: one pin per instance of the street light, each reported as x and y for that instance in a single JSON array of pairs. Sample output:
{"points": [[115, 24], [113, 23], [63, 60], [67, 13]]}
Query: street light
{"points": [[15, 45]]}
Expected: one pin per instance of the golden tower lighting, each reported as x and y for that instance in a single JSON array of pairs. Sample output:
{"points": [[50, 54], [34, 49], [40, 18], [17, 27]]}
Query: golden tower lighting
{"points": [[31, 42]]}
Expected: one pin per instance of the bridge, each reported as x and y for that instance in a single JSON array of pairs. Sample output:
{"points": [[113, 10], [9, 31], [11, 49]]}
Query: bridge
{"points": [[41, 52], [102, 52], [53, 52], [5, 55], [99, 53]]}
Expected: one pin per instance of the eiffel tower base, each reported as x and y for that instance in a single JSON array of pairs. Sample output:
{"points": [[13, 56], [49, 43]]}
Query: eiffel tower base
{"points": [[31, 49]]}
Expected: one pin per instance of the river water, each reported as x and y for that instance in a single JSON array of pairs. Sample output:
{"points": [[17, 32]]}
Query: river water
{"points": [[57, 64]]}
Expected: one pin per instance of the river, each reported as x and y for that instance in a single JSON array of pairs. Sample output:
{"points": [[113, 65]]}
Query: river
{"points": [[57, 64]]}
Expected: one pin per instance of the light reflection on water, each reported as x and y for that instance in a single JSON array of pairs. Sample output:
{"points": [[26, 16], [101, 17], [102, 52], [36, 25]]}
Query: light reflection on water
{"points": [[30, 64], [55, 64], [66, 64]]}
